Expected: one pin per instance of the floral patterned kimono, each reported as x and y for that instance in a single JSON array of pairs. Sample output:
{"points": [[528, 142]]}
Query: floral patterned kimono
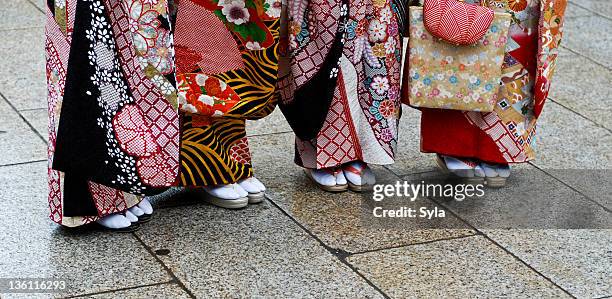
{"points": [[227, 67], [123, 121], [340, 80], [506, 135]]}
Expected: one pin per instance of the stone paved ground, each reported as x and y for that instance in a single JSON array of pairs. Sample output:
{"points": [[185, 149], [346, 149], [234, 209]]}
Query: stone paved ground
{"points": [[302, 242]]}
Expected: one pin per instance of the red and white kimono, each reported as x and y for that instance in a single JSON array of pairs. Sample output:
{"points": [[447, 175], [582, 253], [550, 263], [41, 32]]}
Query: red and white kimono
{"points": [[506, 135], [341, 90], [127, 119]]}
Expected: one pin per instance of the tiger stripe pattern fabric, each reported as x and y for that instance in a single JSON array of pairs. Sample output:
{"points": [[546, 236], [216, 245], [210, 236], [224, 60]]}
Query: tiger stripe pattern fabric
{"points": [[206, 153], [256, 83], [226, 73]]}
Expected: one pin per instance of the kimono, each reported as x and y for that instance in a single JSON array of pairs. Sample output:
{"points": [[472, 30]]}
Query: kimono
{"points": [[506, 135], [227, 68], [119, 125], [340, 80]]}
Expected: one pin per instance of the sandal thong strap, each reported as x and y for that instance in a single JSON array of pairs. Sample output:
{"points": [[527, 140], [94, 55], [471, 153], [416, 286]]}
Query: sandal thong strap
{"points": [[332, 171], [353, 169], [468, 162]]}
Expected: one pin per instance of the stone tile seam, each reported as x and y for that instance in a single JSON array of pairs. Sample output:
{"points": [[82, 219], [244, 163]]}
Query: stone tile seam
{"points": [[22, 163], [20, 28], [23, 118], [338, 253], [581, 115], [593, 12], [403, 175], [528, 265], [33, 109], [122, 289], [473, 234], [168, 270], [593, 60], [36, 6], [504, 249], [572, 188]]}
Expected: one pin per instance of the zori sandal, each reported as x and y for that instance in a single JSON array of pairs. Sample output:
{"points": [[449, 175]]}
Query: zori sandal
{"points": [[330, 185], [464, 170], [254, 188], [225, 196], [496, 175], [359, 176], [119, 223]]}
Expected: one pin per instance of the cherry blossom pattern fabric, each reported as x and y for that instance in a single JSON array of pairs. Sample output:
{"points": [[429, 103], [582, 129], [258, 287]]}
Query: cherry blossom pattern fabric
{"points": [[341, 89], [113, 129], [440, 72], [506, 135]]}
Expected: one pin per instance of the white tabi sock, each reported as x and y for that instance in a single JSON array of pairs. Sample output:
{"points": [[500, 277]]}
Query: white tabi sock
{"points": [[114, 221], [223, 191], [145, 206], [324, 176], [131, 216]]}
